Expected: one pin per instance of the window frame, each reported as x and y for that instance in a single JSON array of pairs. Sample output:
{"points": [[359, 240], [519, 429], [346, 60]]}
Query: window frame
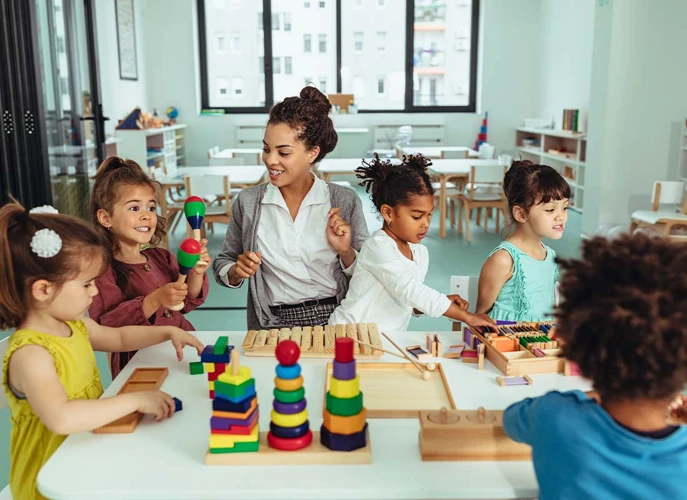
{"points": [[409, 106]]}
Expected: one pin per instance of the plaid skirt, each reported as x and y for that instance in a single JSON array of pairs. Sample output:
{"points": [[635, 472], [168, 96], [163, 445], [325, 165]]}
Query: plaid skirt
{"points": [[304, 316]]}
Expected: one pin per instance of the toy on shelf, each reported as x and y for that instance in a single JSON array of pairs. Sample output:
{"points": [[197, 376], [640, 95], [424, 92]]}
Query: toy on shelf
{"points": [[434, 345], [142, 379], [315, 342], [508, 381], [235, 413], [289, 426], [345, 419], [214, 360], [188, 256], [467, 435], [194, 210], [518, 349]]}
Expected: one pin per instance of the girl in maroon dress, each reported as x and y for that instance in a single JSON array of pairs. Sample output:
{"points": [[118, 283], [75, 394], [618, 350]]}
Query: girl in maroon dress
{"points": [[140, 285]]}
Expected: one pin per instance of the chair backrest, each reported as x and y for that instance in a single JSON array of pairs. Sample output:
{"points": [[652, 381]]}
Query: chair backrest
{"points": [[466, 287], [403, 136], [3, 349], [668, 193], [486, 174], [215, 150], [211, 153], [206, 186], [225, 162]]}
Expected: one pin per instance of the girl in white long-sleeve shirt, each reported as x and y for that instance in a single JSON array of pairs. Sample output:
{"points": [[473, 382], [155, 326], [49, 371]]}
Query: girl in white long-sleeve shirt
{"points": [[387, 284]]}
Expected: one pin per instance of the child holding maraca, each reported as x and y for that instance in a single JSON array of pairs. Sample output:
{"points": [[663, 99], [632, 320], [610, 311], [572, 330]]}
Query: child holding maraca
{"points": [[140, 287]]}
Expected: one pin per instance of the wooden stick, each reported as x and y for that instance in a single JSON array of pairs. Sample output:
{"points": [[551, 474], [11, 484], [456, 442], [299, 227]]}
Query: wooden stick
{"points": [[429, 366], [234, 362], [425, 375]]}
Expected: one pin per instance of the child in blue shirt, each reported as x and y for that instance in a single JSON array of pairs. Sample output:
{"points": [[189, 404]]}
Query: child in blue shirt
{"points": [[622, 320]]}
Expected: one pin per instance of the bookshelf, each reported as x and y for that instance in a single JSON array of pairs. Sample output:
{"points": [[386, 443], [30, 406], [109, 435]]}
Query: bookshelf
{"points": [[563, 150], [155, 147]]}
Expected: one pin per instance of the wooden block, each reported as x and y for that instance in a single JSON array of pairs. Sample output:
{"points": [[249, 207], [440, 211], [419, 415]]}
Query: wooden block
{"points": [[288, 385], [229, 440], [289, 444], [289, 432], [261, 338], [236, 392], [340, 331], [345, 425], [344, 389], [306, 340], [293, 420], [196, 367], [284, 334], [344, 407], [289, 408], [454, 351], [297, 335], [375, 338], [223, 408], [315, 454], [249, 339], [352, 333], [221, 345], [508, 381], [211, 385], [328, 338], [288, 396], [364, 336], [209, 367], [142, 379], [343, 442], [272, 338], [178, 405], [438, 347], [243, 375], [318, 339], [418, 352], [480, 357], [429, 343]]}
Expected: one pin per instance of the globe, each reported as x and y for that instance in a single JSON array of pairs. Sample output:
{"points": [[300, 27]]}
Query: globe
{"points": [[172, 112]]}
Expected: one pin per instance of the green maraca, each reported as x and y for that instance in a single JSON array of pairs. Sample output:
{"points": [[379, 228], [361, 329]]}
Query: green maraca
{"points": [[188, 256]]}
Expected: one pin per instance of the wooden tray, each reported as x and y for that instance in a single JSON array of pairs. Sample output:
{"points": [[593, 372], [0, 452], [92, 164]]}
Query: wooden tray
{"points": [[142, 379], [397, 390], [315, 342], [520, 362], [313, 454]]}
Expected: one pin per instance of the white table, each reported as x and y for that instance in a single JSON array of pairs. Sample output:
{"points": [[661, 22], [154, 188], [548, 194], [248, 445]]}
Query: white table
{"points": [[438, 151], [165, 460], [230, 152], [459, 171], [339, 166]]}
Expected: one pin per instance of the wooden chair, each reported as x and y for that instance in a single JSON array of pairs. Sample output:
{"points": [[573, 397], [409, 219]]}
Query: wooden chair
{"points": [[466, 287], [478, 195], [205, 186], [663, 220]]}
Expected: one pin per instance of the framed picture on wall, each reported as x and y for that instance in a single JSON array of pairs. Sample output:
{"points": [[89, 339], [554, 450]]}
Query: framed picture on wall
{"points": [[126, 39]]}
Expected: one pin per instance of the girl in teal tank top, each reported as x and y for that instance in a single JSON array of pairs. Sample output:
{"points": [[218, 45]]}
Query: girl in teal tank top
{"points": [[518, 280]]}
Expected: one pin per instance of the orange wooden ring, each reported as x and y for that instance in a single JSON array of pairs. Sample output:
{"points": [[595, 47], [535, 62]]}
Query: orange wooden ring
{"points": [[289, 444], [290, 384], [345, 425]]}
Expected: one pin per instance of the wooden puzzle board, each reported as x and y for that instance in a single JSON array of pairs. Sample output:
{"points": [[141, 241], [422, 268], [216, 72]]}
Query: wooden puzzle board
{"points": [[315, 341], [397, 390], [313, 454], [142, 379]]}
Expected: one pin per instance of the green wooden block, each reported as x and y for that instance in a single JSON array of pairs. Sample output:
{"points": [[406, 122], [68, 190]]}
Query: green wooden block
{"points": [[196, 368], [220, 345], [238, 448], [344, 407], [289, 396], [233, 391]]}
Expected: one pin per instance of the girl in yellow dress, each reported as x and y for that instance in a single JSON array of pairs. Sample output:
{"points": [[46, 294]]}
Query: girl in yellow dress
{"points": [[48, 263]]}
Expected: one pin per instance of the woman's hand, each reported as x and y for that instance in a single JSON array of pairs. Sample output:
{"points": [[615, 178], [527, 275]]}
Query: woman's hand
{"points": [[245, 267]]}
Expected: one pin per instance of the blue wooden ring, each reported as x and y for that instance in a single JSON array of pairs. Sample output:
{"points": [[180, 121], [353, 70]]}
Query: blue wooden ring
{"points": [[344, 371], [288, 372], [289, 408], [290, 432]]}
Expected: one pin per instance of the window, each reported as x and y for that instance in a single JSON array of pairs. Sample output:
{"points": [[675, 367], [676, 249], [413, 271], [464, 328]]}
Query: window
{"points": [[307, 80], [358, 41], [381, 41], [359, 47], [236, 43], [323, 85], [237, 85], [220, 47]]}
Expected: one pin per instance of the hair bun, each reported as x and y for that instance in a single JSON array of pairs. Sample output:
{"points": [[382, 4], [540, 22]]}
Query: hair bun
{"points": [[313, 95]]}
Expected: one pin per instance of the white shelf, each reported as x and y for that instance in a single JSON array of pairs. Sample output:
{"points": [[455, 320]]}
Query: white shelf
{"points": [[572, 183], [150, 156], [552, 132], [550, 156], [529, 151]]}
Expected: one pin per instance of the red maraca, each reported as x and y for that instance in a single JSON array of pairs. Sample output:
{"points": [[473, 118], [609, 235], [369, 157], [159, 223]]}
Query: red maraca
{"points": [[194, 210], [188, 256]]}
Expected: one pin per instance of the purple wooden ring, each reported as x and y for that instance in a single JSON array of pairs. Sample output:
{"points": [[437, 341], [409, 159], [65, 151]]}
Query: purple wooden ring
{"points": [[289, 408], [344, 371]]}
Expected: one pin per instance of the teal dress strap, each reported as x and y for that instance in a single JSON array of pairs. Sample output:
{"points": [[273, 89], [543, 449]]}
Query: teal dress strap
{"points": [[519, 280]]}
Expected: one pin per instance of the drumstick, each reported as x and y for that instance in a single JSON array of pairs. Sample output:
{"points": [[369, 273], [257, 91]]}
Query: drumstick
{"points": [[430, 366], [425, 375]]}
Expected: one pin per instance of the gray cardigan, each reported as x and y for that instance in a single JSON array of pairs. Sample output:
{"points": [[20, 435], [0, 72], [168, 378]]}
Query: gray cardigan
{"points": [[241, 235]]}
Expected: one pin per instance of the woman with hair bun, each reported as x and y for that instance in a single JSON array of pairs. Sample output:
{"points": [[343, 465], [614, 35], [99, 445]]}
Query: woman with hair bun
{"points": [[296, 237]]}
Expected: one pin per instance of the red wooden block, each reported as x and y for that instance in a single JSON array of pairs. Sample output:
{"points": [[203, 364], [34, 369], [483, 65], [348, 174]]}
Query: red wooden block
{"points": [[244, 430], [212, 394], [287, 352], [289, 444], [343, 350], [220, 368]]}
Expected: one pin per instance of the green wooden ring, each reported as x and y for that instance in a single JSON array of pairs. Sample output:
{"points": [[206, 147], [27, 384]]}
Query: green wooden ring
{"points": [[289, 396], [345, 407]]}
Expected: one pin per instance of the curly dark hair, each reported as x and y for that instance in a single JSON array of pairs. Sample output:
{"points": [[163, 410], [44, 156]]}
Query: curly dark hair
{"points": [[623, 318], [527, 184], [393, 185], [309, 115]]}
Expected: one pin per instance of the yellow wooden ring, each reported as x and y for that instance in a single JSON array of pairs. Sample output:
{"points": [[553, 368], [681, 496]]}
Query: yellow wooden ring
{"points": [[345, 425], [344, 389], [293, 420], [291, 384]]}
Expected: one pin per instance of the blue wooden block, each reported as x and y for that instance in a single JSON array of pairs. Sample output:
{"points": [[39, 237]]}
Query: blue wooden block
{"points": [[233, 407], [208, 355], [177, 405], [343, 442]]}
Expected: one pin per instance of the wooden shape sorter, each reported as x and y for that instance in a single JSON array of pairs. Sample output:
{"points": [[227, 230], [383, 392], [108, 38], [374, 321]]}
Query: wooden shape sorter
{"points": [[467, 435], [142, 379], [315, 342], [397, 390]]}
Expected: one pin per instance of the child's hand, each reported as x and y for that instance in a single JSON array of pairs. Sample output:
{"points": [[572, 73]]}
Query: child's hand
{"points": [[246, 265], [459, 301], [180, 339], [204, 263], [171, 294], [157, 403], [678, 409], [479, 320]]}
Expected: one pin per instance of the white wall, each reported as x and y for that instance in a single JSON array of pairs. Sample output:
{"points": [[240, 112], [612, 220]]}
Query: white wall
{"points": [[565, 55], [638, 100], [509, 75], [120, 97]]}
